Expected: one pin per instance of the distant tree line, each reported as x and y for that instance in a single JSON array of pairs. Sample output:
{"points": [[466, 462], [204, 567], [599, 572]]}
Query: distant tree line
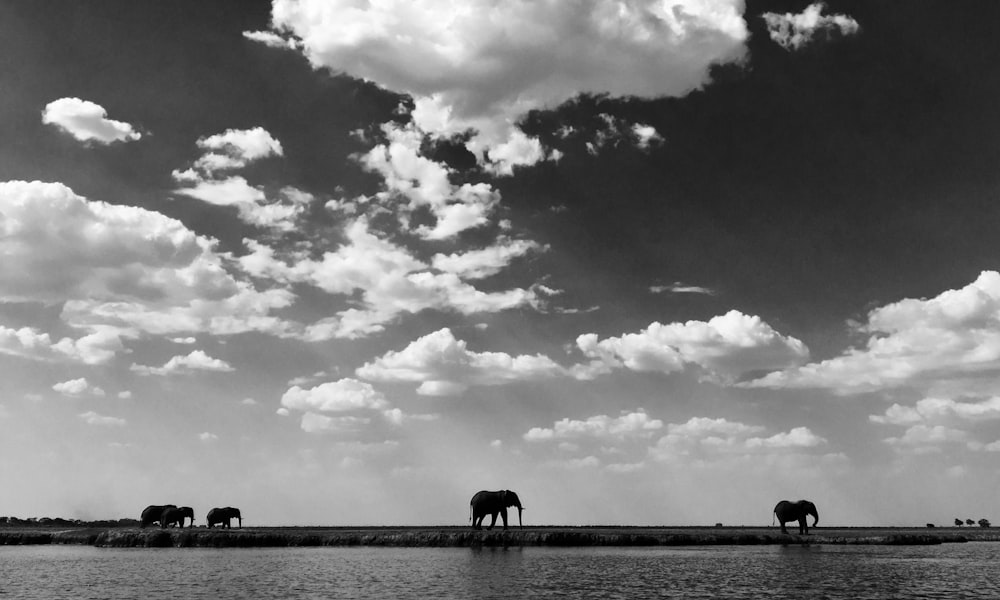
{"points": [[60, 522], [970, 522]]}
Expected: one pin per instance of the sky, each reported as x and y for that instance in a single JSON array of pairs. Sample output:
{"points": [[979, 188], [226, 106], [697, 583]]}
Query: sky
{"points": [[643, 262]]}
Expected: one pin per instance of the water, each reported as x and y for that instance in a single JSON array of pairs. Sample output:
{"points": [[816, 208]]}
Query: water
{"points": [[817, 572]]}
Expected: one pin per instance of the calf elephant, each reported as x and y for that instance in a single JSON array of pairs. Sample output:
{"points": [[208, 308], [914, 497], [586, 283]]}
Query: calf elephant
{"points": [[153, 514], [174, 515], [786, 511], [223, 517], [493, 503]]}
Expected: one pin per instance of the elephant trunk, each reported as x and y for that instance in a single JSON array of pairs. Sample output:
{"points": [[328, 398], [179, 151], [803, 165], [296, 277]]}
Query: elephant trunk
{"points": [[815, 515], [520, 509]]}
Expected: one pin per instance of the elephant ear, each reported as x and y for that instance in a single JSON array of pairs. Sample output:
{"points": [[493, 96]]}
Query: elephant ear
{"points": [[503, 495]]}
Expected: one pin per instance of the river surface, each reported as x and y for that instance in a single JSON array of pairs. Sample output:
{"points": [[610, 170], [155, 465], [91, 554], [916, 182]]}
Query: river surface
{"points": [[816, 572]]}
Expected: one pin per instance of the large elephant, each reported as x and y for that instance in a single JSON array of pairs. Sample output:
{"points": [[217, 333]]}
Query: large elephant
{"points": [[223, 517], [174, 515], [786, 511], [153, 514], [491, 503]]}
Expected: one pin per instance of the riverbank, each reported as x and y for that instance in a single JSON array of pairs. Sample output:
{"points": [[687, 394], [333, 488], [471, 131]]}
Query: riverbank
{"points": [[200, 537]]}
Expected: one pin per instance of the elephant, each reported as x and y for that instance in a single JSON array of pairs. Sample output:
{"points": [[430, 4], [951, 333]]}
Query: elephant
{"points": [[223, 516], [154, 514], [786, 511], [175, 515], [490, 503]]}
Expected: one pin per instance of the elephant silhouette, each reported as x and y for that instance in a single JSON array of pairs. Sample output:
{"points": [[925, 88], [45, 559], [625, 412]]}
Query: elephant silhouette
{"points": [[174, 515], [786, 511], [493, 503], [154, 514], [223, 516]]}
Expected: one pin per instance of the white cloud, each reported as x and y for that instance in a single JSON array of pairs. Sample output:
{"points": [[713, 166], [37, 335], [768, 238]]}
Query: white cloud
{"points": [[482, 263], [337, 396], [924, 435], [799, 437], [210, 180], [634, 424], [953, 337], [207, 437], [87, 121], [425, 184], [681, 288], [72, 387], [726, 347], [197, 360], [793, 31], [481, 65], [444, 365], [235, 148], [383, 279], [936, 409], [343, 396], [95, 348], [119, 270], [92, 418], [646, 135], [706, 438]]}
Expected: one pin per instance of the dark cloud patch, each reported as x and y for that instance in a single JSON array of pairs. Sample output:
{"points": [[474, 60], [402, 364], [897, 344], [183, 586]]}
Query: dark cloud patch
{"points": [[814, 181]]}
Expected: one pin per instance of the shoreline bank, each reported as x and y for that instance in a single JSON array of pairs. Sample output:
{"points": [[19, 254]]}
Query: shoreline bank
{"points": [[464, 537]]}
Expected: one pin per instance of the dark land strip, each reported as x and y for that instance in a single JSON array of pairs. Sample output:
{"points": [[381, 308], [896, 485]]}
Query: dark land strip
{"points": [[464, 537]]}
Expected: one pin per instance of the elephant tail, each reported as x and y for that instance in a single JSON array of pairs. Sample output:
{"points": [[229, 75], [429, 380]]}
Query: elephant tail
{"points": [[773, 516], [470, 512]]}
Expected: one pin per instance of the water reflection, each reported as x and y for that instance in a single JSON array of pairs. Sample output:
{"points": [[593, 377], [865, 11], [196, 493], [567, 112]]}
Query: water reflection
{"points": [[729, 572]]}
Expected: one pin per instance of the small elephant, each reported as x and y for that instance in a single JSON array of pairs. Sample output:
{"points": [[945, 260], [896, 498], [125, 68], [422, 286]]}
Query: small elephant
{"points": [[491, 503], [174, 515], [786, 511], [153, 514], [223, 517]]}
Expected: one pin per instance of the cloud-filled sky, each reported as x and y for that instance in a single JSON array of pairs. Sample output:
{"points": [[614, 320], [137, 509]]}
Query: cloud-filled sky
{"points": [[642, 262]]}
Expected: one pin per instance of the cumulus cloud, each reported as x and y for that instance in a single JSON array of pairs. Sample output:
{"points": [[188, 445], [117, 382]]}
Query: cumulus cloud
{"points": [[953, 337], [937, 409], [633, 424], [481, 65], [235, 148], [87, 122], [347, 395], [705, 437], [210, 179], [443, 365], [92, 418], [77, 387], [118, 270], [725, 347], [95, 348], [793, 31], [424, 183], [337, 396], [384, 280], [929, 438], [197, 360], [207, 437]]}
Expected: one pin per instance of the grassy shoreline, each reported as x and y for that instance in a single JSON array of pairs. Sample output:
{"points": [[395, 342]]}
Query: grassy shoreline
{"points": [[441, 537]]}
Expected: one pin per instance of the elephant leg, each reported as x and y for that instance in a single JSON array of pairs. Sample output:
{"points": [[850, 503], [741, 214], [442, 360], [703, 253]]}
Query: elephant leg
{"points": [[503, 514], [783, 530], [493, 522]]}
